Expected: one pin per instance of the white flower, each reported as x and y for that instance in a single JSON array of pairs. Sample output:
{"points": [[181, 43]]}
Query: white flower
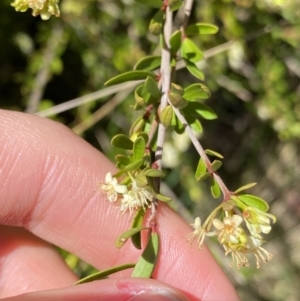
{"points": [[112, 188], [199, 233], [137, 197]]}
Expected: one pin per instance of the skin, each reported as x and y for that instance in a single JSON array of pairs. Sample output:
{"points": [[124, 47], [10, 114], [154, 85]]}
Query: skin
{"points": [[48, 179]]}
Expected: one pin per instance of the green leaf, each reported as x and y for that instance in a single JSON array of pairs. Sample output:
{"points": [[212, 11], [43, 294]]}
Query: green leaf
{"points": [[153, 173], [144, 135], [122, 239], [165, 116], [193, 69], [129, 76], [216, 165], [190, 52], [139, 146], [148, 63], [123, 159], [103, 274], [175, 42], [244, 187], [151, 87], [254, 201], [213, 153], [201, 28], [163, 198], [195, 92], [146, 264], [197, 126], [215, 189], [175, 4], [137, 126], [177, 100], [177, 125], [151, 3], [201, 169], [121, 141], [137, 223], [191, 119], [202, 110], [133, 166], [156, 23], [203, 176]]}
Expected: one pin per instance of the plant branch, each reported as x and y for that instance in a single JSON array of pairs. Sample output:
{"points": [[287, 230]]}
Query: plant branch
{"points": [[226, 192], [165, 72]]}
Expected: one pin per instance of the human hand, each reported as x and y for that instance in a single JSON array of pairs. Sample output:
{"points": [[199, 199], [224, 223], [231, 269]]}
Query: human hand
{"points": [[48, 177]]}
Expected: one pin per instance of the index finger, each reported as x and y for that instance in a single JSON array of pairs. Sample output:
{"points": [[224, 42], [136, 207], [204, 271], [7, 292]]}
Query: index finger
{"points": [[49, 176]]}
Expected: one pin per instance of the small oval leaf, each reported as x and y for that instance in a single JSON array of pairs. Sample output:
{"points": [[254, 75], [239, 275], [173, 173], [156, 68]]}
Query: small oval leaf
{"points": [[123, 159], [193, 69], [254, 201], [202, 110], [133, 166], [148, 63], [156, 23], [146, 264], [175, 4], [129, 76], [103, 274], [215, 189], [139, 146], [195, 92], [190, 52], [216, 165], [213, 153], [175, 42], [201, 168], [121, 141], [151, 87], [153, 173], [165, 116], [122, 239], [163, 198], [201, 28]]}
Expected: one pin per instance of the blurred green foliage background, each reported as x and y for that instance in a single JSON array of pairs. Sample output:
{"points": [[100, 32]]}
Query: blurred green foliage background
{"points": [[252, 69]]}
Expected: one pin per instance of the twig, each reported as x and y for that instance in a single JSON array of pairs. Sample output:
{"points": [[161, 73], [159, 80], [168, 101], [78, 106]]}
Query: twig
{"points": [[43, 74], [226, 192]]}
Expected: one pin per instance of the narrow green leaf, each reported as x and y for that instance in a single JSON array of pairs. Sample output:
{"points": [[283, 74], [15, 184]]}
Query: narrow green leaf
{"points": [[201, 28], [163, 198], [139, 146], [156, 23], [137, 223], [151, 3], [254, 201], [121, 141], [201, 168], [195, 92], [175, 4], [197, 126], [146, 264], [175, 42], [133, 166], [215, 189], [190, 52], [193, 69], [148, 63], [165, 116], [216, 165], [105, 273], [191, 119], [213, 153], [244, 187], [122, 239], [152, 88], [129, 76], [144, 135], [153, 173]]}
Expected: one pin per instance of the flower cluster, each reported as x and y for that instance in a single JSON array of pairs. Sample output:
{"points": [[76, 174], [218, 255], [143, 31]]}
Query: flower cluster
{"points": [[45, 8], [129, 199], [233, 236]]}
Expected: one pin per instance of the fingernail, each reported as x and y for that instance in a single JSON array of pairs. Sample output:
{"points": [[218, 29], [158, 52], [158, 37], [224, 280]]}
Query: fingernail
{"points": [[159, 295], [145, 290]]}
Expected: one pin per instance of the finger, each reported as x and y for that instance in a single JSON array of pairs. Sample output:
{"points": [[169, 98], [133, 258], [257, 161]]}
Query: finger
{"points": [[29, 264], [123, 289], [55, 174]]}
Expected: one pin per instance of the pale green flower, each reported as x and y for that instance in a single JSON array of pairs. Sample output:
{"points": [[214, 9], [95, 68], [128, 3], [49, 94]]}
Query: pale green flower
{"points": [[45, 8]]}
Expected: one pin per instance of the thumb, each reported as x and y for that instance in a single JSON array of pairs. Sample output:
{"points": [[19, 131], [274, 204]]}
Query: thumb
{"points": [[129, 289]]}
